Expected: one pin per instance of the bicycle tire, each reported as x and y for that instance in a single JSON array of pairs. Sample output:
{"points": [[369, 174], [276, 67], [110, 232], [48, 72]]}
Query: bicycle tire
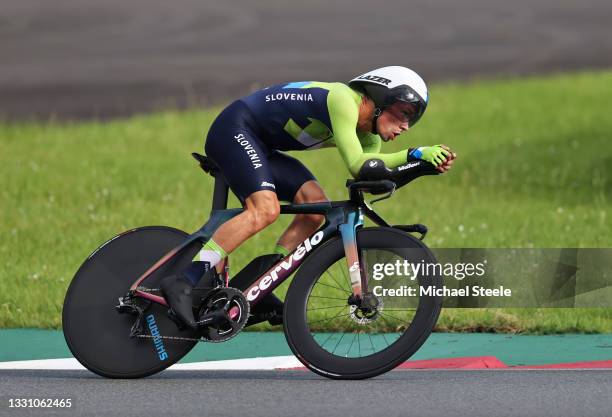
{"points": [[298, 333], [96, 334]]}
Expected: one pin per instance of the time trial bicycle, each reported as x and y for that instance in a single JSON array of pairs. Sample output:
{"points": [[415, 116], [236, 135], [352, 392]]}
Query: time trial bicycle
{"points": [[340, 319]]}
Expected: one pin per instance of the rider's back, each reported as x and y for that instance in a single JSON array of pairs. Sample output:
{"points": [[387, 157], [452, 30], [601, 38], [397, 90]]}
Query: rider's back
{"points": [[299, 115]]}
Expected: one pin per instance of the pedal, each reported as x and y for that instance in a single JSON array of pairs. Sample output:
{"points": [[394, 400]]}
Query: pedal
{"points": [[276, 320], [272, 317]]}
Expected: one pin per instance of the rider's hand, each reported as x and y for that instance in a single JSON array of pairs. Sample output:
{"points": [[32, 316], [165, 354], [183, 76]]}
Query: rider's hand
{"points": [[445, 166], [435, 155]]}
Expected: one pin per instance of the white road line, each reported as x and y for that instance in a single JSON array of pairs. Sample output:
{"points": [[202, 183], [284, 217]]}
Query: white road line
{"points": [[269, 363], [59, 364], [249, 364]]}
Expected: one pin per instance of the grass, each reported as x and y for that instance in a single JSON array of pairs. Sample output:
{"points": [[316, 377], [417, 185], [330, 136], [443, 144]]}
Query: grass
{"points": [[533, 171]]}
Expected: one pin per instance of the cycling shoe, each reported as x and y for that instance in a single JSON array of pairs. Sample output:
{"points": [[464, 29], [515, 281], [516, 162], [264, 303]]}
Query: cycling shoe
{"points": [[177, 291], [269, 308]]}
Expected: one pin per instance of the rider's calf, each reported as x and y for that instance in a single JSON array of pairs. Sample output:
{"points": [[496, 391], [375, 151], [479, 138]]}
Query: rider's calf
{"points": [[312, 221]]}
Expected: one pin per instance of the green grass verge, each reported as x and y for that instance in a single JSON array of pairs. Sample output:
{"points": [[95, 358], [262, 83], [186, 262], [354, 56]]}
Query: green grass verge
{"points": [[533, 171]]}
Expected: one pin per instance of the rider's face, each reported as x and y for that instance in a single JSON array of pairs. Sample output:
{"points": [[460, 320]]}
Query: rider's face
{"points": [[394, 120]]}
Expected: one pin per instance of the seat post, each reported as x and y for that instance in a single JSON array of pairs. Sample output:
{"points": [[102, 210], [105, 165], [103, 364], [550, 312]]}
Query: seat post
{"points": [[220, 193], [221, 189]]}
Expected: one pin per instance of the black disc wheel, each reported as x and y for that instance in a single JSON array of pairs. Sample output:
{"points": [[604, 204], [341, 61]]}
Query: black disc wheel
{"points": [[97, 334], [338, 335]]}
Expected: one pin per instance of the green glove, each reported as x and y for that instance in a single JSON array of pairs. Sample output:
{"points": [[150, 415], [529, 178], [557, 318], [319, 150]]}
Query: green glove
{"points": [[435, 155]]}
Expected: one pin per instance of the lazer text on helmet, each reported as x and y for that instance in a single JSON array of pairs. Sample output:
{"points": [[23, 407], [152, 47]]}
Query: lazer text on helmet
{"points": [[375, 79]]}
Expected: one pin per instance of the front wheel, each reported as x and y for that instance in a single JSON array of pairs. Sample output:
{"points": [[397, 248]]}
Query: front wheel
{"points": [[339, 337]]}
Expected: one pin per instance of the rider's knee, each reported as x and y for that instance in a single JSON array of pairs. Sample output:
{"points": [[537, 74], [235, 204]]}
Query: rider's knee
{"points": [[264, 215], [310, 192], [262, 209]]}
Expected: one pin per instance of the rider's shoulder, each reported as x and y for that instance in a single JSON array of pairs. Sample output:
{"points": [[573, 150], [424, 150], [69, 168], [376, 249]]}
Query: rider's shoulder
{"points": [[342, 89], [336, 88], [341, 95]]}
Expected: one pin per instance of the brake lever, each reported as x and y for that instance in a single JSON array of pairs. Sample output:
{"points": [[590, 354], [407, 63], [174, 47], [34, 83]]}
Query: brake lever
{"points": [[389, 194]]}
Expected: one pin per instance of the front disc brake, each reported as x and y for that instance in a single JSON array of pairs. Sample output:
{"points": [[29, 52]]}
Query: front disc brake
{"points": [[366, 310]]}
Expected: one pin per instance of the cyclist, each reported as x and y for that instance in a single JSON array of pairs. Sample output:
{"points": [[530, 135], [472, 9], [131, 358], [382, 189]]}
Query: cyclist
{"points": [[247, 141]]}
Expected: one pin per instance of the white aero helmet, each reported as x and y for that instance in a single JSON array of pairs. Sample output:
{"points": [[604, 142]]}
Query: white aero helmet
{"points": [[387, 85]]}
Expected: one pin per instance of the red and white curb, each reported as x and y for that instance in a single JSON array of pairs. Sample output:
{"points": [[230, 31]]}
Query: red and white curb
{"points": [[490, 362], [291, 363]]}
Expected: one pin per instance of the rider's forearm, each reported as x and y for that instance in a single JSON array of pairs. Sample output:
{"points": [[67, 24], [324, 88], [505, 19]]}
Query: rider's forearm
{"points": [[391, 160]]}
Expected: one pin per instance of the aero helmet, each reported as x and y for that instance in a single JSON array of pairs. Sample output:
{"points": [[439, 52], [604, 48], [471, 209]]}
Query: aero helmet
{"points": [[387, 85]]}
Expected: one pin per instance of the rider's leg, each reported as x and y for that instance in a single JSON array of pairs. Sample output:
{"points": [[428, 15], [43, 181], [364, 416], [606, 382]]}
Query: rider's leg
{"points": [[303, 225], [243, 159], [209, 256], [261, 209], [295, 183]]}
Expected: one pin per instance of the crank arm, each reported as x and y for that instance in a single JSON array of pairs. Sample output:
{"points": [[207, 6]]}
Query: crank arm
{"points": [[213, 317]]}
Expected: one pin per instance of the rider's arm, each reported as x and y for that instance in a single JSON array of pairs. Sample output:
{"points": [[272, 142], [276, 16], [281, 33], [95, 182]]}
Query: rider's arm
{"points": [[371, 143], [343, 115]]}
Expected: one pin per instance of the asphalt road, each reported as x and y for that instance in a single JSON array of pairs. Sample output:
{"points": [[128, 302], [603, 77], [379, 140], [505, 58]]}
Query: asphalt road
{"points": [[85, 59], [484, 393]]}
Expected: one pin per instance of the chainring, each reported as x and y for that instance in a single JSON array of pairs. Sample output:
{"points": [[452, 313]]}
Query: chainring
{"points": [[224, 300]]}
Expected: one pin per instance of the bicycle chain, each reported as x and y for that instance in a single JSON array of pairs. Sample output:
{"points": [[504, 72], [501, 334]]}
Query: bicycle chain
{"points": [[177, 338], [144, 289], [180, 338]]}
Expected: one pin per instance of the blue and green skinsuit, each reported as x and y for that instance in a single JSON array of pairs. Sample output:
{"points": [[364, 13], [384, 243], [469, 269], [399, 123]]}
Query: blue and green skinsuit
{"points": [[248, 137]]}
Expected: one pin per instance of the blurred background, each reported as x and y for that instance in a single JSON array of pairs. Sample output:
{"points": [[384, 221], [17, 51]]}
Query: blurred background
{"points": [[82, 59], [101, 104]]}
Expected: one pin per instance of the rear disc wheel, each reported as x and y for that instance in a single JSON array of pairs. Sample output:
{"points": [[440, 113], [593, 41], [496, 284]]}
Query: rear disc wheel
{"points": [[97, 335]]}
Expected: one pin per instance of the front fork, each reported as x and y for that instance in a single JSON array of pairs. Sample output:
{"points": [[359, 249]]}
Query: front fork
{"points": [[355, 262]]}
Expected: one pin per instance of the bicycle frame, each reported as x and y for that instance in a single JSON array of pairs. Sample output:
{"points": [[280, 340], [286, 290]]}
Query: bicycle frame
{"points": [[343, 217]]}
